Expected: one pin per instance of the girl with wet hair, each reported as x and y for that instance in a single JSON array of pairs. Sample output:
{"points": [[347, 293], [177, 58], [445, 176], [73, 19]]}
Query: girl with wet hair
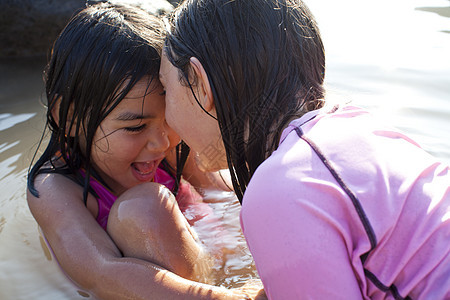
{"points": [[103, 190], [335, 204]]}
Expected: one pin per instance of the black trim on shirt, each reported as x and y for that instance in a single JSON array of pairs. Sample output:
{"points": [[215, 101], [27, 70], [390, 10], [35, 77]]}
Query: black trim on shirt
{"points": [[393, 289], [362, 216]]}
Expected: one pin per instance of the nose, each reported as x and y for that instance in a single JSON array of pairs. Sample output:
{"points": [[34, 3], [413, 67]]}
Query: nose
{"points": [[162, 139], [157, 140]]}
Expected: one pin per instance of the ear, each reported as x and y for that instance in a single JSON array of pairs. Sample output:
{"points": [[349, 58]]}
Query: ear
{"points": [[205, 96]]}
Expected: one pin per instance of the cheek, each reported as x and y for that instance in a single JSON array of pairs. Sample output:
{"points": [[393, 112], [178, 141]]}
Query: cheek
{"points": [[101, 147], [115, 148], [171, 115], [179, 112], [174, 138]]}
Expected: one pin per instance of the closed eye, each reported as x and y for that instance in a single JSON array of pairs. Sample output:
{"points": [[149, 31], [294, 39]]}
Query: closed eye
{"points": [[135, 129]]}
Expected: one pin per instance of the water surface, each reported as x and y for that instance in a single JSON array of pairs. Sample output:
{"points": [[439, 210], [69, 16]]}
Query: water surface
{"points": [[390, 57]]}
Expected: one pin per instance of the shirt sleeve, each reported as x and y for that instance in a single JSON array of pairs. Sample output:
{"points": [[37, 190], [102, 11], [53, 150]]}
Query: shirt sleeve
{"points": [[301, 233]]}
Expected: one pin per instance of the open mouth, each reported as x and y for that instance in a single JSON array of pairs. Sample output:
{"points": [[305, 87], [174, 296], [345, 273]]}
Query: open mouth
{"points": [[144, 168], [145, 171]]}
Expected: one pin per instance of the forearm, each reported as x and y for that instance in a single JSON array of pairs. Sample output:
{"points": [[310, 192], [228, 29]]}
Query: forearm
{"points": [[116, 277], [136, 279]]}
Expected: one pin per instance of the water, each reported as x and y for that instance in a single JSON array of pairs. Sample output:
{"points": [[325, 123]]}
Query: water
{"points": [[393, 58], [390, 57]]}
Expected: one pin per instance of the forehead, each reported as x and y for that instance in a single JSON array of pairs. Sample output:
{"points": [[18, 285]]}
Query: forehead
{"points": [[143, 97], [166, 68], [141, 88]]}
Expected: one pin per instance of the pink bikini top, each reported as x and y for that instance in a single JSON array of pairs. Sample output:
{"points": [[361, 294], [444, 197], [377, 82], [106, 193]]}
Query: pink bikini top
{"points": [[186, 195]]}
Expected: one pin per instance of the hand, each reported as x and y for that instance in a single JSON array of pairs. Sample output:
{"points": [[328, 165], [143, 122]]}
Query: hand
{"points": [[254, 289]]}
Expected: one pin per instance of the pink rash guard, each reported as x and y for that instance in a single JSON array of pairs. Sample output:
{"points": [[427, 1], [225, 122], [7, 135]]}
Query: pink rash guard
{"points": [[347, 208], [186, 196]]}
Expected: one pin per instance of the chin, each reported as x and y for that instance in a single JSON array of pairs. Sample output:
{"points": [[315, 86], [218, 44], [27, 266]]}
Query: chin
{"points": [[211, 169], [206, 165]]}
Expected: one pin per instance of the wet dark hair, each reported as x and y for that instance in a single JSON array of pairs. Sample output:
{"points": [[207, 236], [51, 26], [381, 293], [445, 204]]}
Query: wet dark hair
{"points": [[265, 63], [97, 59]]}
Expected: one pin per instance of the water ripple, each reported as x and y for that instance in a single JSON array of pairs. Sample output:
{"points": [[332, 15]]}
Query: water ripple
{"points": [[9, 120]]}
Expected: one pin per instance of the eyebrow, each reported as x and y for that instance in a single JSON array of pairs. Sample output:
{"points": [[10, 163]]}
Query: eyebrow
{"points": [[130, 116]]}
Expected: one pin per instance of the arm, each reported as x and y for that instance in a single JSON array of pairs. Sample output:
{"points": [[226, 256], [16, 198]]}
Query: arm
{"points": [[301, 238], [91, 259]]}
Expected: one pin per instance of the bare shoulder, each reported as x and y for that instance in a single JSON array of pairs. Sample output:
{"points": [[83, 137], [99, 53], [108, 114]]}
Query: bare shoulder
{"points": [[54, 187], [58, 196]]}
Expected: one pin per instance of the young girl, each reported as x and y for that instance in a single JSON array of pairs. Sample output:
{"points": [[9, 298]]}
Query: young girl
{"points": [[102, 191], [335, 205]]}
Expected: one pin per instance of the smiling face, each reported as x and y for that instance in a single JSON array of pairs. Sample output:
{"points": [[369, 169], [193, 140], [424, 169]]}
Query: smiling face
{"points": [[199, 130], [133, 139]]}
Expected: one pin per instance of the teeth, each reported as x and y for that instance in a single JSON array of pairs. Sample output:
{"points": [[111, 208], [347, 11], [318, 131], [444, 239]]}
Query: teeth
{"points": [[144, 167]]}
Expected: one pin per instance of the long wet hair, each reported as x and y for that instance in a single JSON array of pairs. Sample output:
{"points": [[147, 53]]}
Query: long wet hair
{"points": [[97, 59], [265, 63]]}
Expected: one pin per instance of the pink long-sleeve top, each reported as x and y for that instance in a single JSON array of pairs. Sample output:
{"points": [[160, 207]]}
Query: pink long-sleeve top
{"points": [[348, 208]]}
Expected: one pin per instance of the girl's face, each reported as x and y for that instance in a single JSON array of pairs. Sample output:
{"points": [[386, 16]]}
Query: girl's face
{"points": [[133, 139], [199, 130]]}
